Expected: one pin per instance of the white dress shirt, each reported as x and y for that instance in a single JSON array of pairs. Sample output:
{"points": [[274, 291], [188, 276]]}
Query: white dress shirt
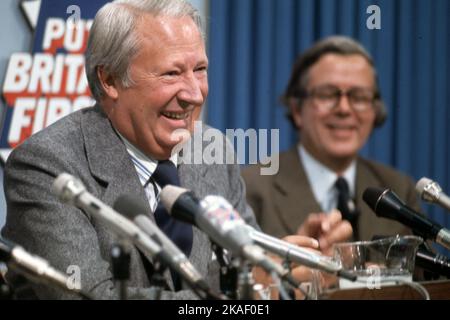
{"points": [[322, 180], [145, 167]]}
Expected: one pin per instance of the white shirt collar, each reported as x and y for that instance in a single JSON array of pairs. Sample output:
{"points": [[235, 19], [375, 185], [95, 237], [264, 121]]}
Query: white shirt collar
{"points": [[145, 166], [322, 179]]}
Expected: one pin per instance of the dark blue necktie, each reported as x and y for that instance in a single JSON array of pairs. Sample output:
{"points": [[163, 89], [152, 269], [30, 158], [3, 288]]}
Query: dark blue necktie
{"points": [[179, 232], [346, 205]]}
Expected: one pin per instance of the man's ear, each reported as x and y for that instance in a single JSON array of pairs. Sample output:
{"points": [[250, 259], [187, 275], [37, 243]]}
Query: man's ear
{"points": [[295, 110], [108, 84]]}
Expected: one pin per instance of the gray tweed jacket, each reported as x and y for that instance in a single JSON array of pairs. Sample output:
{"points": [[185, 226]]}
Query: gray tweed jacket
{"points": [[85, 145]]}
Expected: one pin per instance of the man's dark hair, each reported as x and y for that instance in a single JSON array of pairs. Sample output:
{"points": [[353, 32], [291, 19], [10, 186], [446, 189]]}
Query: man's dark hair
{"points": [[336, 45]]}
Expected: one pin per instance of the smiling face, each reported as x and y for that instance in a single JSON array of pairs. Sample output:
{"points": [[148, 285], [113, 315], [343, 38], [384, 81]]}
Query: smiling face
{"points": [[335, 136], [169, 87]]}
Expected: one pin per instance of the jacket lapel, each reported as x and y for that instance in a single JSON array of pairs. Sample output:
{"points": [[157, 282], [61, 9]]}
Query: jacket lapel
{"points": [[292, 192], [194, 177], [108, 159], [110, 163]]}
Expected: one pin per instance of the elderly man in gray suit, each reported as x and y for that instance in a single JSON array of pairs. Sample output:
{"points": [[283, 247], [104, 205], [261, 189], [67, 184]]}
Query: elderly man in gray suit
{"points": [[147, 69]]}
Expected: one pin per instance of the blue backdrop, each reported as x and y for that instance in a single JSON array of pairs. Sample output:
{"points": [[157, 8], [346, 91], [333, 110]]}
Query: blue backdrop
{"points": [[253, 44]]}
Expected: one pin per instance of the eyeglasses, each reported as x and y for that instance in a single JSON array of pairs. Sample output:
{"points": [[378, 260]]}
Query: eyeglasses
{"points": [[327, 98]]}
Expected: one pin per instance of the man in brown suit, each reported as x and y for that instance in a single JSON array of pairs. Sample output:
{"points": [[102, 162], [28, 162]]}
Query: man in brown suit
{"points": [[334, 102]]}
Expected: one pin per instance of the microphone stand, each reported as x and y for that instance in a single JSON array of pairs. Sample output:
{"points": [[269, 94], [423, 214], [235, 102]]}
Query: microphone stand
{"points": [[228, 273], [5, 290], [158, 279], [120, 258], [245, 281], [290, 292], [287, 291]]}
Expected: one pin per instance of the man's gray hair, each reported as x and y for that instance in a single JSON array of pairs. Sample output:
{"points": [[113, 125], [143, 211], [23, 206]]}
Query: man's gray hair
{"points": [[113, 42]]}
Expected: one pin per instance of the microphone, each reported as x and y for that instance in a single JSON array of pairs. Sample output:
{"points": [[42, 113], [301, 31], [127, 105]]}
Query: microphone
{"points": [[293, 253], [436, 263], [282, 248], [35, 268], [71, 190], [134, 209], [426, 259], [216, 217], [385, 203], [431, 191]]}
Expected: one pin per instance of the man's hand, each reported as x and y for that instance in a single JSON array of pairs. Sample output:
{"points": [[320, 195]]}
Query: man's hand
{"points": [[327, 229], [300, 273]]}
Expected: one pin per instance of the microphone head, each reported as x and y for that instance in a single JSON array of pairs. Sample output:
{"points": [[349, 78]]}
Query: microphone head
{"points": [[384, 202], [180, 203], [371, 196], [220, 210], [428, 190], [60, 183], [422, 184], [170, 194], [130, 206], [67, 187]]}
